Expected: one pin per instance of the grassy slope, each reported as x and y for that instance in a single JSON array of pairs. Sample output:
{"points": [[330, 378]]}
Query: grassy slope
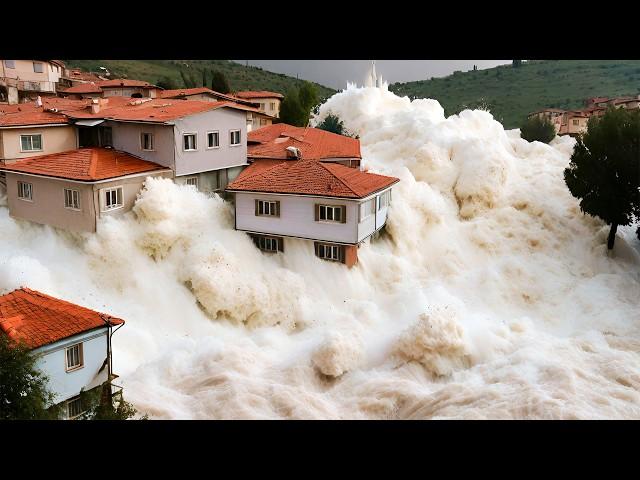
{"points": [[239, 76], [511, 93]]}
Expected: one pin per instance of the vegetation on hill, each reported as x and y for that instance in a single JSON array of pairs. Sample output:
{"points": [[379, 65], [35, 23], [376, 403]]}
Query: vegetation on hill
{"points": [[511, 93], [239, 77], [603, 172]]}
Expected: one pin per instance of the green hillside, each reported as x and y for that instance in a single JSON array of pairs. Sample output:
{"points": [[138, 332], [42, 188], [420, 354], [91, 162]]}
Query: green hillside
{"points": [[240, 77], [511, 93]]}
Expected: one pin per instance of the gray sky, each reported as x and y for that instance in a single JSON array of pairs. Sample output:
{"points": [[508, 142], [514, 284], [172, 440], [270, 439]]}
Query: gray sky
{"points": [[336, 73]]}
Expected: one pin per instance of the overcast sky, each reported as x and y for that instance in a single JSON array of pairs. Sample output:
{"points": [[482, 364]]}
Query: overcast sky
{"points": [[336, 73]]}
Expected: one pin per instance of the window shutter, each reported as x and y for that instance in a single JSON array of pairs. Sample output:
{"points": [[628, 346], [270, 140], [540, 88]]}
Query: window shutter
{"points": [[277, 208], [256, 207], [344, 214], [315, 244], [341, 250], [281, 244], [317, 207]]}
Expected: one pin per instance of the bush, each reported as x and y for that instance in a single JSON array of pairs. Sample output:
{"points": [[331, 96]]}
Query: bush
{"points": [[538, 129]]}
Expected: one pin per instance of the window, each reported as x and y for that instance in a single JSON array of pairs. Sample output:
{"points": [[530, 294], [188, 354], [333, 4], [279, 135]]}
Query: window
{"points": [[235, 137], [146, 141], [31, 143], [331, 213], [367, 208], [25, 191], [73, 357], [268, 244], [10, 63], [71, 199], [263, 121], [113, 198], [213, 139], [267, 208], [74, 408], [189, 142], [385, 200], [272, 106], [329, 252], [193, 181], [37, 67], [575, 122]]}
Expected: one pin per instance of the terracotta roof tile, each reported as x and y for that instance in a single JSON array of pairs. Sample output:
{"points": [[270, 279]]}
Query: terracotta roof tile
{"points": [[125, 82], [83, 88], [258, 94], [271, 141], [309, 177], [37, 117], [85, 164], [38, 319]]}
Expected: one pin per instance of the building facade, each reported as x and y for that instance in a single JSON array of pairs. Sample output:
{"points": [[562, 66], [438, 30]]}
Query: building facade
{"points": [[24, 80]]}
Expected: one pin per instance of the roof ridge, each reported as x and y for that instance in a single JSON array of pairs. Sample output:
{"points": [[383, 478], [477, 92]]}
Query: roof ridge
{"points": [[323, 165], [93, 163]]}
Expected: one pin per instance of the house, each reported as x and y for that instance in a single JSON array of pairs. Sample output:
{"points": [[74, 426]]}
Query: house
{"points": [[269, 102], [554, 115], [574, 122], [117, 87], [275, 142], [316, 198], [73, 189], [204, 143], [72, 344], [74, 76], [22, 80]]}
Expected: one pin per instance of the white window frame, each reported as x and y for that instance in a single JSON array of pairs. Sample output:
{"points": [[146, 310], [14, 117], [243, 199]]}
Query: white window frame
{"points": [[71, 197], [272, 106], [195, 142], [68, 403], [73, 368], [382, 196], [41, 67], [372, 210], [333, 249], [10, 64], [31, 135], [151, 136], [267, 205], [21, 191], [231, 132], [105, 192], [218, 137], [267, 244], [191, 179], [333, 209]]}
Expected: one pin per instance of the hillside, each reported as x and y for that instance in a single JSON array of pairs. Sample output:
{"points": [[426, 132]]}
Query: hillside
{"points": [[511, 93], [240, 77]]}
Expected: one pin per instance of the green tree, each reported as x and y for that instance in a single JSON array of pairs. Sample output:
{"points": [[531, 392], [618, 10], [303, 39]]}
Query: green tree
{"points": [[24, 394], [204, 77], [516, 63], [308, 96], [219, 82], [538, 129], [292, 111], [604, 171], [168, 83], [332, 123], [97, 408]]}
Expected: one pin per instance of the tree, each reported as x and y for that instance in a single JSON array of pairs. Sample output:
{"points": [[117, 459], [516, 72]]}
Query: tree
{"points": [[604, 169], [538, 129], [219, 82], [24, 394], [308, 96], [188, 79], [204, 77], [292, 111], [516, 63], [332, 123], [96, 408], [168, 83]]}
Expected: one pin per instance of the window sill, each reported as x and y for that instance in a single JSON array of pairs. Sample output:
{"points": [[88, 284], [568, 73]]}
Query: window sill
{"points": [[25, 199], [213, 148], [73, 209], [235, 144], [31, 151], [74, 369], [106, 210], [194, 150], [330, 222]]}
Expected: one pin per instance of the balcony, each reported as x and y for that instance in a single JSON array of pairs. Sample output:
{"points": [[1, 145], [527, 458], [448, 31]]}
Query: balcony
{"points": [[29, 86]]}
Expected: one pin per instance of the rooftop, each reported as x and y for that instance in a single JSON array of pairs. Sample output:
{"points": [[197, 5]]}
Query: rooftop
{"points": [[258, 94], [309, 177], [38, 319], [271, 141], [84, 164]]}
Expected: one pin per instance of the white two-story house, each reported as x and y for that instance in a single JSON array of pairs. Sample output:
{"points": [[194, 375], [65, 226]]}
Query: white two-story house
{"points": [[319, 199], [72, 343]]}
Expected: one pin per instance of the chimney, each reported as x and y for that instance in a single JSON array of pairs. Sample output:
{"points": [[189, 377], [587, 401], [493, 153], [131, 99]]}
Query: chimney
{"points": [[38, 101], [95, 105]]}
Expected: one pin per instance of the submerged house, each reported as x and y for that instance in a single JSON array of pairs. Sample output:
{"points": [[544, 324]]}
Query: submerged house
{"points": [[72, 343], [323, 197]]}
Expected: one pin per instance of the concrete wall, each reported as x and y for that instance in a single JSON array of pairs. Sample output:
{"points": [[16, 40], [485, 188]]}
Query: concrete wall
{"points": [[297, 218], [48, 207], [24, 71], [204, 159], [126, 137], [54, 140], [52, 362]]}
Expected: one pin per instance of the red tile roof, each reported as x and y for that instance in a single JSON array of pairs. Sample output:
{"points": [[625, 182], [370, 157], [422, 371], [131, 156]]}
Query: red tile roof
{"points": [[83, 88], [271, 141], [310, 177], [258, 94], [85, 164], [38, 319], [37, 117], [124, 82], [157, 110], [181, 92]]}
